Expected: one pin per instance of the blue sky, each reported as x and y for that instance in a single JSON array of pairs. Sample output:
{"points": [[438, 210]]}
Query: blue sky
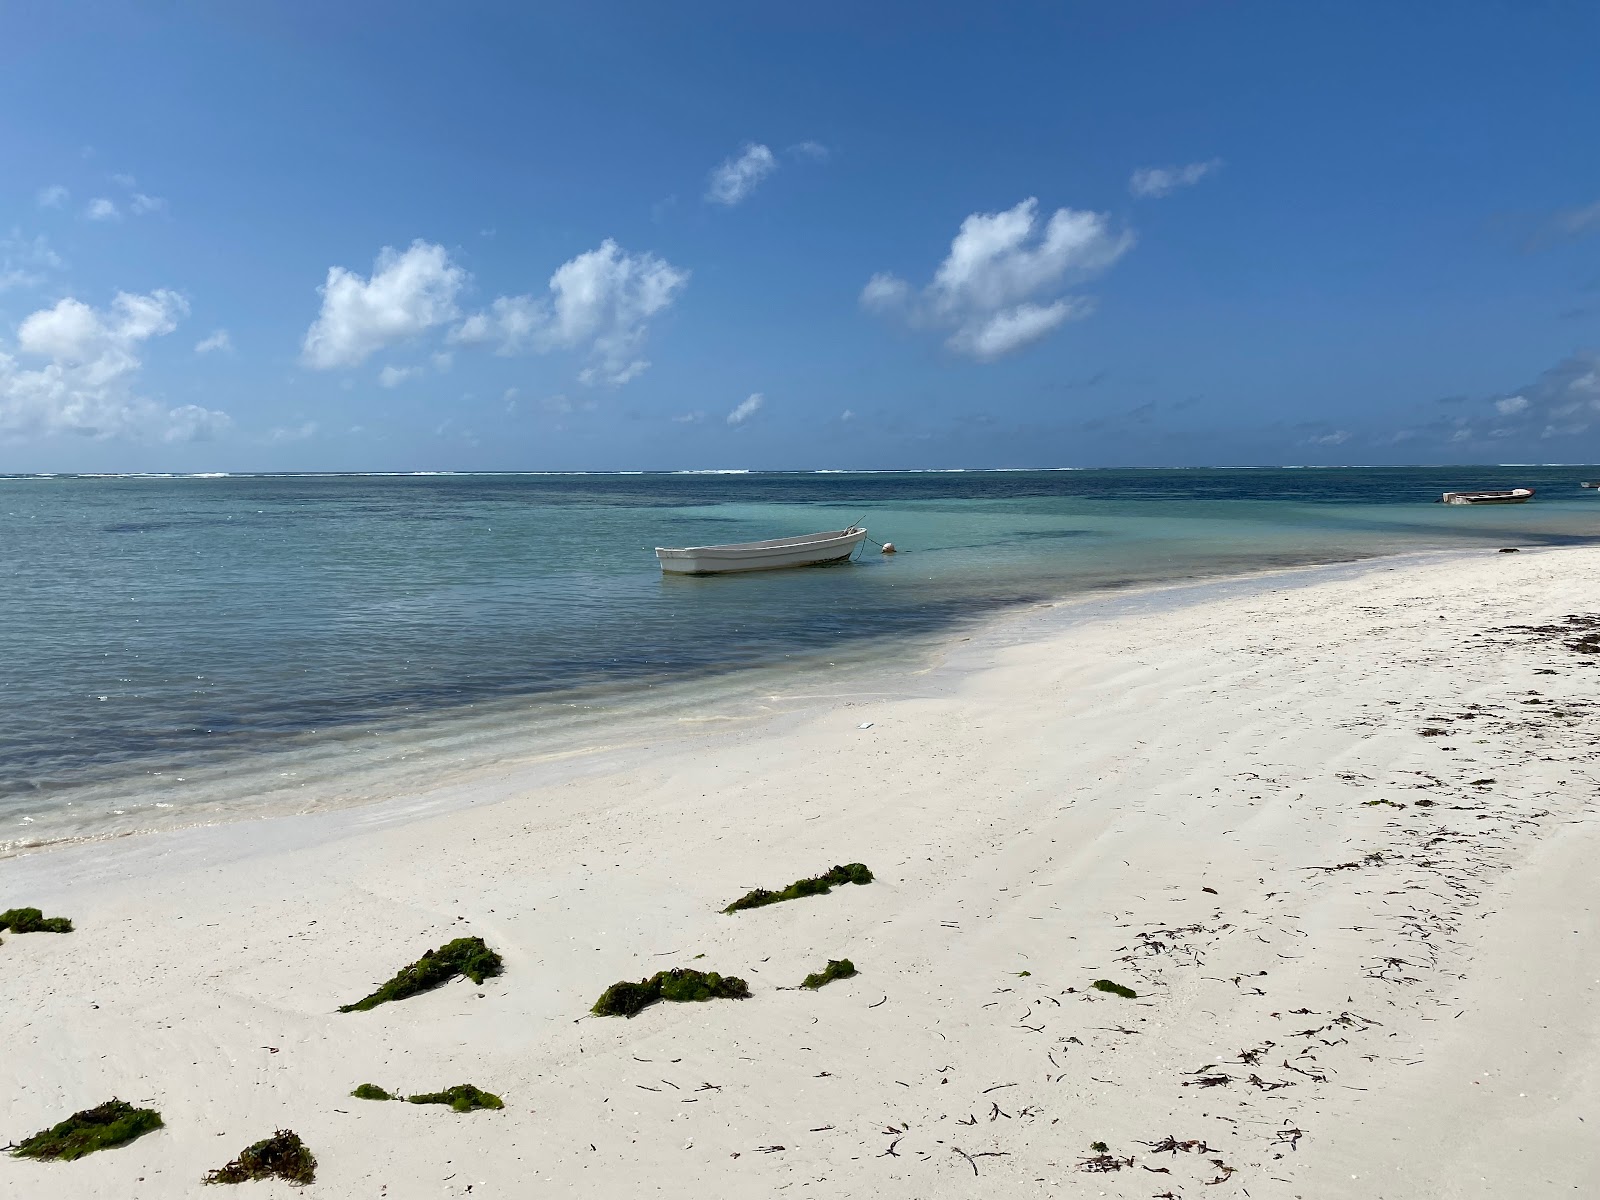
{"points": [[623, 236]]}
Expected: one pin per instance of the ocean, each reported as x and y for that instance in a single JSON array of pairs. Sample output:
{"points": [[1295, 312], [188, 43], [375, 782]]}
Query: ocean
{"points": [[186, 649]]}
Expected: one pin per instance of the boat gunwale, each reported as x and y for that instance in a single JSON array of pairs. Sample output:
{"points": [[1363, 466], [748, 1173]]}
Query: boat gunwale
{"points": [[753, 549]]}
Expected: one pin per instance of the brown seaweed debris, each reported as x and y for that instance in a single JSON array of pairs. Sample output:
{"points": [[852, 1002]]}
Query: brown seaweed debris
{"points": [[114, 1123], [681, 984], [465, 956], [283, 1155], [819, 885], [31, 920]]}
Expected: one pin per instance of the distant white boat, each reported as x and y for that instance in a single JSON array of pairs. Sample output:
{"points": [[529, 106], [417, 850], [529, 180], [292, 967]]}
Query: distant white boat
{"points": [[806, 550], [1510, 496]]}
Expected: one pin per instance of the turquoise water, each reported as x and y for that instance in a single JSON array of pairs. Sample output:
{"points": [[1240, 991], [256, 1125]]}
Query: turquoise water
{"points": [[173, 643]]}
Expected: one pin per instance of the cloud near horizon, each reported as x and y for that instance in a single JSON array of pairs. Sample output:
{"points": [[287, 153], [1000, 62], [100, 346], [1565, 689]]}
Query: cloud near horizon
{"points": [[408, 293], [746, 408], [1000, 287], [600, 302], [91, 358]]}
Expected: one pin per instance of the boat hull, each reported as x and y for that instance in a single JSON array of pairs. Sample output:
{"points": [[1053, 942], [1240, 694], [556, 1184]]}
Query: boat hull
{"points": [[1514, 496], [807, 550]]}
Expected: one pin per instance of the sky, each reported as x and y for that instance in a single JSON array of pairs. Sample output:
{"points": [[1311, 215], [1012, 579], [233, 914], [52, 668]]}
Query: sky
{"points": [[628, 236]]}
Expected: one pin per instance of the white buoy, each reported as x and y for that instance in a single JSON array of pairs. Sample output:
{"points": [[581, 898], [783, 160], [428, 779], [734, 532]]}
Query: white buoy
{"points": [[888, 548]]}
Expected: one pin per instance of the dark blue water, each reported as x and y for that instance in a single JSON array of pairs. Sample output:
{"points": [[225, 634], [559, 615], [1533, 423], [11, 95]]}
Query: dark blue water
{"points": [[162, 629]]}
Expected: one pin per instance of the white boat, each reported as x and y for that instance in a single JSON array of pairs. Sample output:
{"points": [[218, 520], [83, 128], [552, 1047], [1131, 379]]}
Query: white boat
{"points": [[1510, 496], [807, 550]]}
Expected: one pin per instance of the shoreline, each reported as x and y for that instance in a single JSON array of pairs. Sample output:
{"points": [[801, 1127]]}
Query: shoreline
{"points": [[620, 736], [1216, 803]]}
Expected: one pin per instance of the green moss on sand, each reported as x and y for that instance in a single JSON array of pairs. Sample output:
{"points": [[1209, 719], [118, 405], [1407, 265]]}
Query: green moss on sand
{"points": [[461, 1098], [681, 984], [837, 968], [31, 920], [99, 1128], [371, 1091], [283, 1155], [1115, 989], [465, 956], [819, 885]]}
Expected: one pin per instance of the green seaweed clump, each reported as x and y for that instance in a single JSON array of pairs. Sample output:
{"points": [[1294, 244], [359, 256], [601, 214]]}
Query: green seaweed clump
{"points": [[465, 956], [820, 885], [98, 1128], [681, 984], [461, 1098], [31, 920], [283, 1154], [371, 1091], [1116, 989], [837, 968]]}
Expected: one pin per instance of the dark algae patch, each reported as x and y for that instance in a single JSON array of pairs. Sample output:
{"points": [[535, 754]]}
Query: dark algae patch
{"points": [[31, 920], [1115, 989], [681, 984], [819, 885], [282, 1155], [465, 956], [837, 968], [371, 1091], [461, 1098], [113, 1123]]}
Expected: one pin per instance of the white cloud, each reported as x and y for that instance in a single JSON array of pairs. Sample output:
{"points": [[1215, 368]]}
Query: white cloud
{"points": [[746, 409], [141, 204], [192, 423], [409, 292], [810, 151], [690, 418], [847, 415], [220, 340], [1152, 182], [24, 261], [1511, 405], [391, 377], [1564, 402], [91, 358], [601, 302], [564, 404], [735, 178], [994, 290], [54, 196], [125, 181], [1337, 437], [101, 209], [292, 433]]}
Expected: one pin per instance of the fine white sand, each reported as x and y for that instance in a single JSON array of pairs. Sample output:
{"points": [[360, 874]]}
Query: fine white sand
{"points": [[1336, 997]]}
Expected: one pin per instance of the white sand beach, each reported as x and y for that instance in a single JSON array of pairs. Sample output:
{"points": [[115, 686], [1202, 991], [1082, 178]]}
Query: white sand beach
{"points": [[1336, 829]]}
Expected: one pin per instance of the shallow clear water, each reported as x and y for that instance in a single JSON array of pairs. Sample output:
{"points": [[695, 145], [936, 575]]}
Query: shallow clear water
{"points": [[180, 642]]}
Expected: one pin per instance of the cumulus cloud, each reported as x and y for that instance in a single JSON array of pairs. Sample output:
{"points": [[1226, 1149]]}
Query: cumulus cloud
{"points": [[90, 360], [746, 408], [102, 209], [140, 204], [690, 418], [1154, 182], [999, 289], [600, 302], [218, 341], [54, 196], [810, 151], [1563, 403], [735, 178], [408, 293]]}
